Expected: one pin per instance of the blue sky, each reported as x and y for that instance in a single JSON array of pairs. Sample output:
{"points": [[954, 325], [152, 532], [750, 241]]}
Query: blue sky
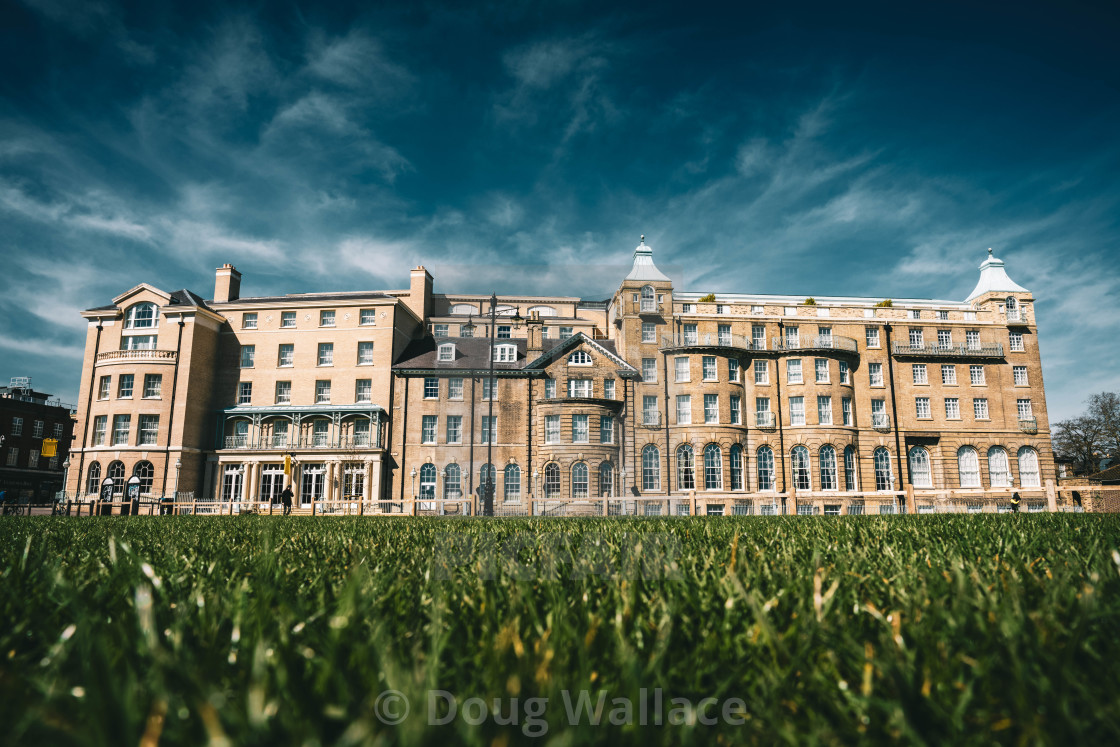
{"points": [[829, 149]]}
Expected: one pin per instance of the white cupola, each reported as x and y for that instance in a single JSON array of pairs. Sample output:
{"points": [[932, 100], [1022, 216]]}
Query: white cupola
{"points": [[994, 279], [643, 268]]}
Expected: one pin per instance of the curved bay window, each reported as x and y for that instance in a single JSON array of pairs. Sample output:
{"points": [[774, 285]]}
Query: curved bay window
{"points": [[452, 482], [713, 467], [799, 463], [93, 478], [512, 483], [116, 472], [999, 470], [579, 481], [968, 465], [851, 480], [686, 468], [146, 472], [884, 477], [1028, 468], [606, 479], [827, 459], [920, 473], [552, 480], [764, 465], [651, 468], [736, 467]]}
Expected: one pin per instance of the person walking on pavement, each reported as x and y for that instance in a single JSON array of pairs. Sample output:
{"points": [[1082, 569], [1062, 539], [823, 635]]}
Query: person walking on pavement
{"points": [[286, 499]]}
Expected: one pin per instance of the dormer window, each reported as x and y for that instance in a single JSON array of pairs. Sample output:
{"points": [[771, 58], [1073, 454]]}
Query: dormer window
{"points": [[579, 358], [446, 353], [141, 316], [505, 353]]}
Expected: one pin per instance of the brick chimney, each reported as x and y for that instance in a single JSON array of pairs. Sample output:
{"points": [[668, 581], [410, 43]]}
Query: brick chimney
{"points": [[533, 327], [227, 284], [420, 293]]}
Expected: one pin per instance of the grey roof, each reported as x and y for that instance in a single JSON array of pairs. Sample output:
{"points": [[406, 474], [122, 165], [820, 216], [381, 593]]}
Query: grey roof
{"points": [[643, 268], [473, 353], [187, 298], [994, 279]]}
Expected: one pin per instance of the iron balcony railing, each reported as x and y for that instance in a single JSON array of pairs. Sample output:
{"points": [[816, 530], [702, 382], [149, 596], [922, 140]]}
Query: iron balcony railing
{"points": [[816, 342], [880, 421], [309, 442], [137, 355], [764, 420], [647, 306], [651, 418], [1015, 315], [938, 350], [707, 340], [1028, 425]]}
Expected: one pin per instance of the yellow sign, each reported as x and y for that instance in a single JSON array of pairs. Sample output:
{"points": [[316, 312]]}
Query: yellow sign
{"points": [[287, 464], [50, 447]]}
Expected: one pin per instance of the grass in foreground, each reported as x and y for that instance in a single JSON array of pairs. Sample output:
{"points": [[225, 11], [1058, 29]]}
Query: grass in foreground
{"points": [[946, 629]]}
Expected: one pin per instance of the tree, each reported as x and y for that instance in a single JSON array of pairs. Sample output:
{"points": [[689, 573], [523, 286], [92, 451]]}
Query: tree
{"points": [[1092, 437]]}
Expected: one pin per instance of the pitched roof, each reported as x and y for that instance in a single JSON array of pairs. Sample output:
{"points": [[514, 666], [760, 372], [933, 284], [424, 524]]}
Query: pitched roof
{"points": [[473, 354], [292, 297], [1110, 475], [605, 347]]}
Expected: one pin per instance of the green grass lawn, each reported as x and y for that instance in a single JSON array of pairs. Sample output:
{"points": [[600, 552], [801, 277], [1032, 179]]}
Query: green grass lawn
{"points": [[270, 630]]}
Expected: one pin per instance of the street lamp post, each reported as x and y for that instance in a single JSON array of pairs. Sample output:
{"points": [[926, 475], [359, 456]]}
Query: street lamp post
{"points": [[491, 431]]}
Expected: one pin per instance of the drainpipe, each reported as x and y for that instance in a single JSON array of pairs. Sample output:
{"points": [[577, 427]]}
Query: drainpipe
{"points": [[668, 446], [404, 436], [171, 419], [89, 404], [902, 462], [778, 413]]}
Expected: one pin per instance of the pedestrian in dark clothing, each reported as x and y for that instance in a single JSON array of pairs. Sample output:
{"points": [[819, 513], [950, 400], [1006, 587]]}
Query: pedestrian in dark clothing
{"points": [[1015, 503], [286, 499]]}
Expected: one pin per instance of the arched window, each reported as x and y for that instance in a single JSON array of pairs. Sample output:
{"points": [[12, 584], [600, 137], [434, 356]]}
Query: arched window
{"points": [[968, 465], [512, 484], [579, 481], [141, 316], [999, 470], [850, 478], [487, 478], [542, 310], [764, 465], [884, 477], [552, 480], [428, 482], [713, 467], [651, 468], [93, 478], [1012, 303], [649, 299], [116, 472], [686, 468], [736, 467], [452, 482], [827, 459], [463, 308], [920, 473], [799, 462], [579, 358], [606, 479], [146, 472], [1028, 468]]}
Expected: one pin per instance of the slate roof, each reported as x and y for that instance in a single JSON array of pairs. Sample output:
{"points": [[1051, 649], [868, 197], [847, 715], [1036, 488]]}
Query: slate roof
{"points": [[357, 296], [1108, 476], [473, 354]]}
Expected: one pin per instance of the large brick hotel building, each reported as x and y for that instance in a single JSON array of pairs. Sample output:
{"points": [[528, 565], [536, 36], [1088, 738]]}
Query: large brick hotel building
{"points": [[763, 402]]}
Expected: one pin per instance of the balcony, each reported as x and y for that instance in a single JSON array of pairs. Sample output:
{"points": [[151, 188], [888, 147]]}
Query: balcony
{"points": [[935, 350], [707, 340], [764, 420], [123, 356], [817, 343], [283, 443], [1015, 316], [1028, 425], [651, 419], [646, 306], [880, 421]]}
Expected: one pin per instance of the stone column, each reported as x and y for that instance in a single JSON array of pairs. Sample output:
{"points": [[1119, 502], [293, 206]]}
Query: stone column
{"points": [[1051, 496]]}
